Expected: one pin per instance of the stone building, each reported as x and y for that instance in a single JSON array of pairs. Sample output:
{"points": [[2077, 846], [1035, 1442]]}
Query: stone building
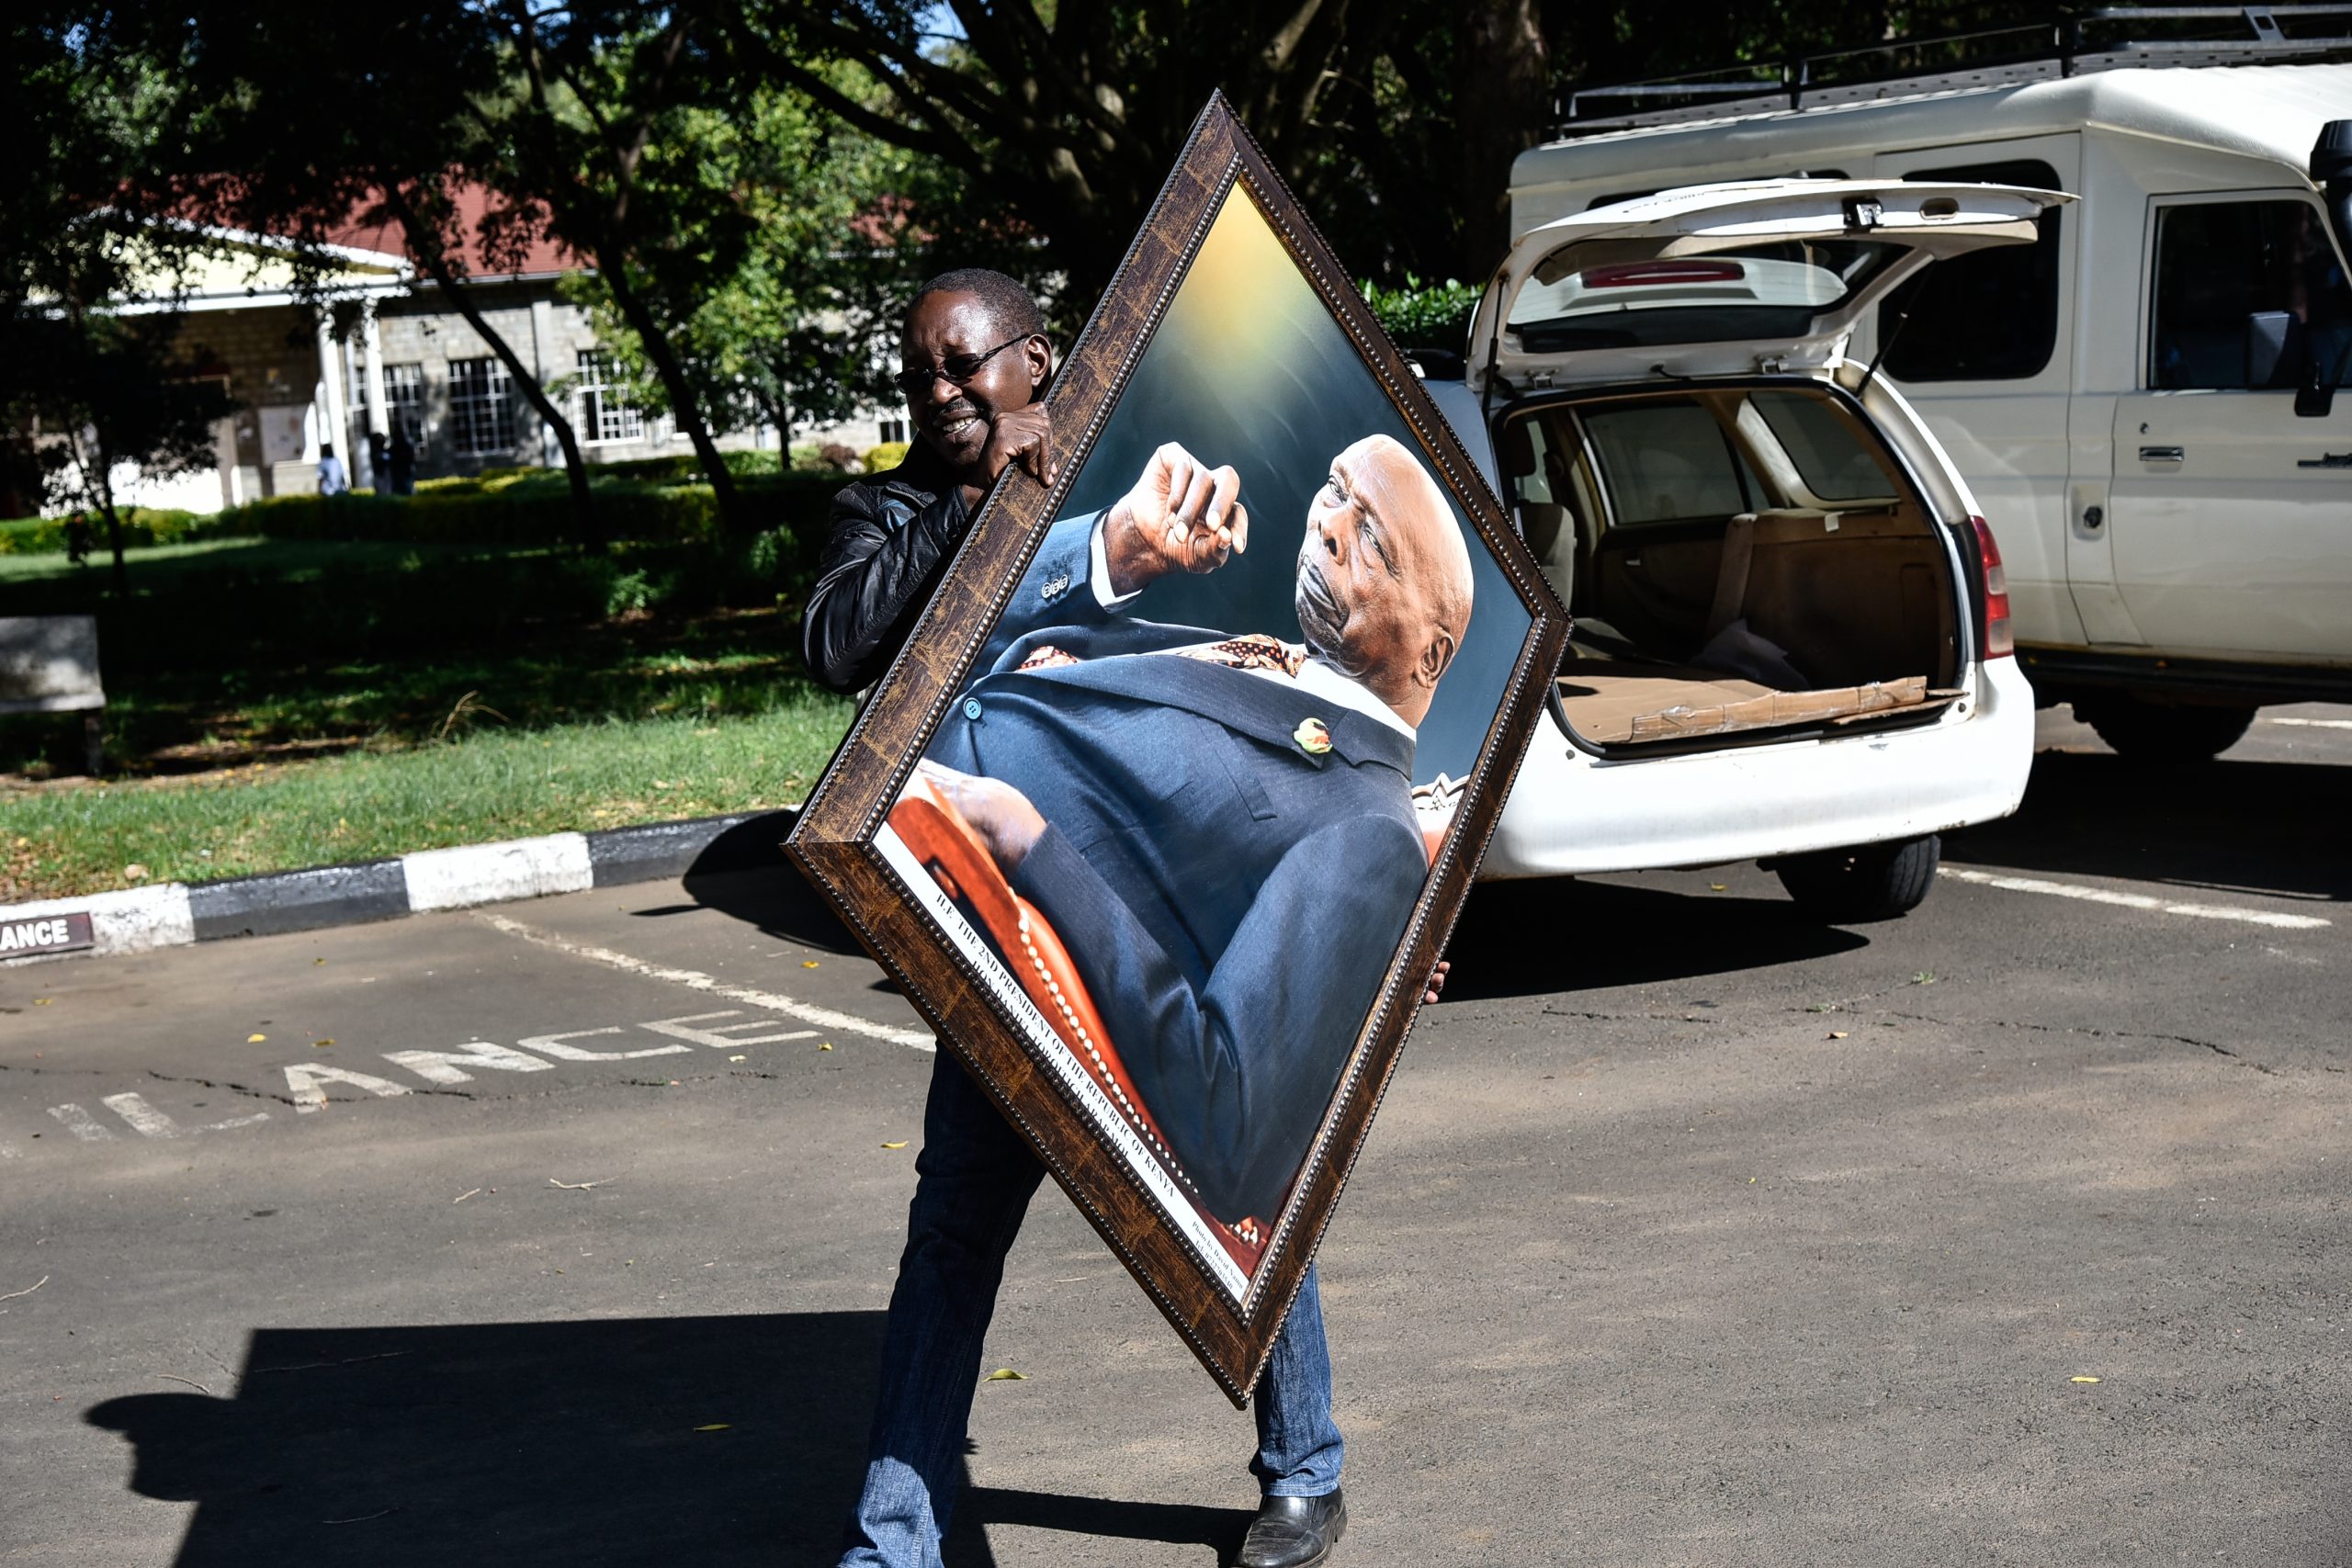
{"points": [[390, 355]]}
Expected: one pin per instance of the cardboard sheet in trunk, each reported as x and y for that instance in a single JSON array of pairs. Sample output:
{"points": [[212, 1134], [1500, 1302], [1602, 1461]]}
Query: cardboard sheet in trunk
{"points": [[1615, 702]]}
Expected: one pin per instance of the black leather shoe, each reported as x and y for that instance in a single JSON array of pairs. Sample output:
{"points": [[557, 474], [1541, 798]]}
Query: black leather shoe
{"points": [[1293, 1532]]}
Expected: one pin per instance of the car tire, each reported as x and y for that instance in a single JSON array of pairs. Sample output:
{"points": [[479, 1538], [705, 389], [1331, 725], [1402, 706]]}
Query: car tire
{"points": [[2164, 732], [1870, 882]]}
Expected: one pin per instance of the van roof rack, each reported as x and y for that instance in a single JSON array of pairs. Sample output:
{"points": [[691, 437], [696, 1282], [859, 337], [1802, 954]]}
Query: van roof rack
{"points": [[2107, 39]]}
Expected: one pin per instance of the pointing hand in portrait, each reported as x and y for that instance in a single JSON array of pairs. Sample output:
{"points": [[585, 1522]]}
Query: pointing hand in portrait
{"points": [[1181, 515]]}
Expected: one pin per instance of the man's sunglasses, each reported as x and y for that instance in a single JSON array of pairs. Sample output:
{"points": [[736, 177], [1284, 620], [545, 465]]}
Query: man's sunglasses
{"points": [[956, 368]]}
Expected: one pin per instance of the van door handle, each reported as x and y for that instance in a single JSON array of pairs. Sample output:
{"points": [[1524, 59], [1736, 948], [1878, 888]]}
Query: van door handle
{"points": [[2162, 454]]}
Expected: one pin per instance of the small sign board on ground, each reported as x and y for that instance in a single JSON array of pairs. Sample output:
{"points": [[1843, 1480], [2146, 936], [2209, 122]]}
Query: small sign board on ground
{"points": [[44, 933]]}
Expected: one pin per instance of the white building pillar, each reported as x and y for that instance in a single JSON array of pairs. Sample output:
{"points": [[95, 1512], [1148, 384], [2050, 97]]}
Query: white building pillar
{"points": [[379, 413], [542, 338], [335, 419]]}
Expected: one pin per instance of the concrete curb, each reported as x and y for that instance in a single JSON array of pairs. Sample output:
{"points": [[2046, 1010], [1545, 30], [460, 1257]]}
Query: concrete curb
{"points": [[140, 918]]}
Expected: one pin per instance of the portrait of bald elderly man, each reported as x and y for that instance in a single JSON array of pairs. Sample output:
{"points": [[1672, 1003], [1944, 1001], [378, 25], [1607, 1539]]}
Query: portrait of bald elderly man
{"points": [[1220, 825]]}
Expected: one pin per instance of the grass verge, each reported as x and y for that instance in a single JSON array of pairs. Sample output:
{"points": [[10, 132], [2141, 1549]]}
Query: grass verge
{"points": [[67, 839]]}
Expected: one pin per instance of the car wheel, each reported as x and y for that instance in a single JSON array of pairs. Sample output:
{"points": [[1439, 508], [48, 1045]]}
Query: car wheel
{"points": [[2164, 732], [1870, 882]]}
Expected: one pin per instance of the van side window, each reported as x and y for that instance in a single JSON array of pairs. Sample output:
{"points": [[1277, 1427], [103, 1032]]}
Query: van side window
{"points": [[1664, 462], [1990, 315], [2248, 294]]}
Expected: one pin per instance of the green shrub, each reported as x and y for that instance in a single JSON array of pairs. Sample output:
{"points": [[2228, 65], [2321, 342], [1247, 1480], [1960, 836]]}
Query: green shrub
{"points": [[1424, 315], [531, 508], [142, 527], [882, 458], [686, 467], [627, 591]]}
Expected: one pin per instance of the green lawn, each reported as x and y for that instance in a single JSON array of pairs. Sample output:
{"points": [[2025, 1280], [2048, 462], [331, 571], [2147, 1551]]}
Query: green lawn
{"points": [[84, 837], [275, 703]]}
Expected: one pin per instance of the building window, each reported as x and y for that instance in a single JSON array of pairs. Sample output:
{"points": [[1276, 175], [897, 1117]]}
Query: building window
{"points": [[1989, 315], [892, 429], [2249, 296], [403, 401], [482, 407], [604, 411]]}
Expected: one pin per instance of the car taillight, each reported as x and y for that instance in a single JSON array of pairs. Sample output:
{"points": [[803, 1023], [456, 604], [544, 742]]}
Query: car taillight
{"points": [[1994, 638]]}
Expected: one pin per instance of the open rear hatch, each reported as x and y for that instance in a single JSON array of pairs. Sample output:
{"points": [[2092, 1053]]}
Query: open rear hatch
{"points": [[1715, 280], [1743, 552]]}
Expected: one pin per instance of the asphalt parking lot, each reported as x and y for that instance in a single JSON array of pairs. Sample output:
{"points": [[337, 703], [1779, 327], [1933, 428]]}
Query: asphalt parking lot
{"points": [[559, 1233]]}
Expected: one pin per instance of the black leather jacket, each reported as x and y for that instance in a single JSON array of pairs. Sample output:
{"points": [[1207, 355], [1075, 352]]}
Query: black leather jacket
{"points": [[891, 535]]}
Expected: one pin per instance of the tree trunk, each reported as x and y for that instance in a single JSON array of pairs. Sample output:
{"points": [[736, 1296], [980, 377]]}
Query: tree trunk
{"points": [[1502, 95], [427, 248], [612, 270], [114, 537], [102, 482]]}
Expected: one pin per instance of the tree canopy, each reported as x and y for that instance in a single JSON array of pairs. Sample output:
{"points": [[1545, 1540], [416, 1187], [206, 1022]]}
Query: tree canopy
{"points": [[757, 183]]}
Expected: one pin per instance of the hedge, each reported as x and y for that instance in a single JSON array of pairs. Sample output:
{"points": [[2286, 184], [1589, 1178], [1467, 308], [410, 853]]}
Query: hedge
{"points": [[534, 507], [653, 500], [1424, 315], [248, 609], [142, 525]]}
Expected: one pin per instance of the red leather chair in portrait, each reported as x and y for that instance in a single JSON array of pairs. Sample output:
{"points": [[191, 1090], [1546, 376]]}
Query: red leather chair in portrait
{"points": [[939, 837]]}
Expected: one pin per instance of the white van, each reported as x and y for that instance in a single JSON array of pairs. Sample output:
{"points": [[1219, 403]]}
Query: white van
{"points": [[2143, 399], [1791, 638]]}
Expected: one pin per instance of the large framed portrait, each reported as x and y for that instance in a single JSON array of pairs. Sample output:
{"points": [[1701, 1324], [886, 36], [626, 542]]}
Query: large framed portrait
{"points": [[1165, 811]]}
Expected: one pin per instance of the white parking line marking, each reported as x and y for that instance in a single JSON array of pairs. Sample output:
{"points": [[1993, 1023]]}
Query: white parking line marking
{"points": [[2314, 723], [442, 1067], [305, 1082], [144, 1119], [80, 1123], [721, 1037], [553, 1045], [808, 1012], [2136, 900]]}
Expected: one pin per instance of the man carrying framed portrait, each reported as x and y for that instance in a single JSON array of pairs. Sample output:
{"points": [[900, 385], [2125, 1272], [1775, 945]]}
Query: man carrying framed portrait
{"points": [[976, 361]]}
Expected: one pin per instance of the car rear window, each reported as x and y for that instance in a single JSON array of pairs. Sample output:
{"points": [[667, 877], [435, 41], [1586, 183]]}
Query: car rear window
{"points": [[1832, 456], [1764, 291], [1667, 461]]}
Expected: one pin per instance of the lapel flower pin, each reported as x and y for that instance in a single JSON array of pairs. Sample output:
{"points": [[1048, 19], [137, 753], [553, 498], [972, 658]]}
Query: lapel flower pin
{"points": [[1312, 735]]}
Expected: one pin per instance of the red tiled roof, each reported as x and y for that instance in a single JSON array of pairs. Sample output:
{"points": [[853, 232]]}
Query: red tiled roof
{"points": [[542, 256]]}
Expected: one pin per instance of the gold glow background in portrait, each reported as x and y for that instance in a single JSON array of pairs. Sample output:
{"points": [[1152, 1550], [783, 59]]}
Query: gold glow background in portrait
{"points": [[1249, 368]]}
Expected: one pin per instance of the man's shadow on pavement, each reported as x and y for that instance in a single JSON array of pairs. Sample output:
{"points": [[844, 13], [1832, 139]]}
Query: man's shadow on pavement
{"points": [[1514, 938], [702, 1440], [742, 874]]}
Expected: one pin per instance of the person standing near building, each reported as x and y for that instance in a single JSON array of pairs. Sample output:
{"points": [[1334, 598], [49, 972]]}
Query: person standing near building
{"points": [[332, 480], [977, 363], [400, 463]]}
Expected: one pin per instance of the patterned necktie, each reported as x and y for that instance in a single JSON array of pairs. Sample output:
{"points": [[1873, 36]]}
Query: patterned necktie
{"points": [[1256, 650]]}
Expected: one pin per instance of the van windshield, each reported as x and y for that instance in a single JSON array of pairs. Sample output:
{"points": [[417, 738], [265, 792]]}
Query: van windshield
{"points": [[1771, 290]]}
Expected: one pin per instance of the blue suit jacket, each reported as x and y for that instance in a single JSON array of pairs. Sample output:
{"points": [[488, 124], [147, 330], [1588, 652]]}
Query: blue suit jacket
{"points": [[1231, 899]]}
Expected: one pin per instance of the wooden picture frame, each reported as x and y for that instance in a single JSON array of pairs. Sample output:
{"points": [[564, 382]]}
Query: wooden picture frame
{"points": [[852, 837]]}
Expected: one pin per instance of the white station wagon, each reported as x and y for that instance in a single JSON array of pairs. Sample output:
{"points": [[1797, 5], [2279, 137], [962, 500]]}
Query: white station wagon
{"points": [[1790, 636]]}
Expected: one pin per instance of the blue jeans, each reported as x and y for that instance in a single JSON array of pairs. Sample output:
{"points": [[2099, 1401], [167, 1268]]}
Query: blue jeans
{"points": [[975, 1178]]}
